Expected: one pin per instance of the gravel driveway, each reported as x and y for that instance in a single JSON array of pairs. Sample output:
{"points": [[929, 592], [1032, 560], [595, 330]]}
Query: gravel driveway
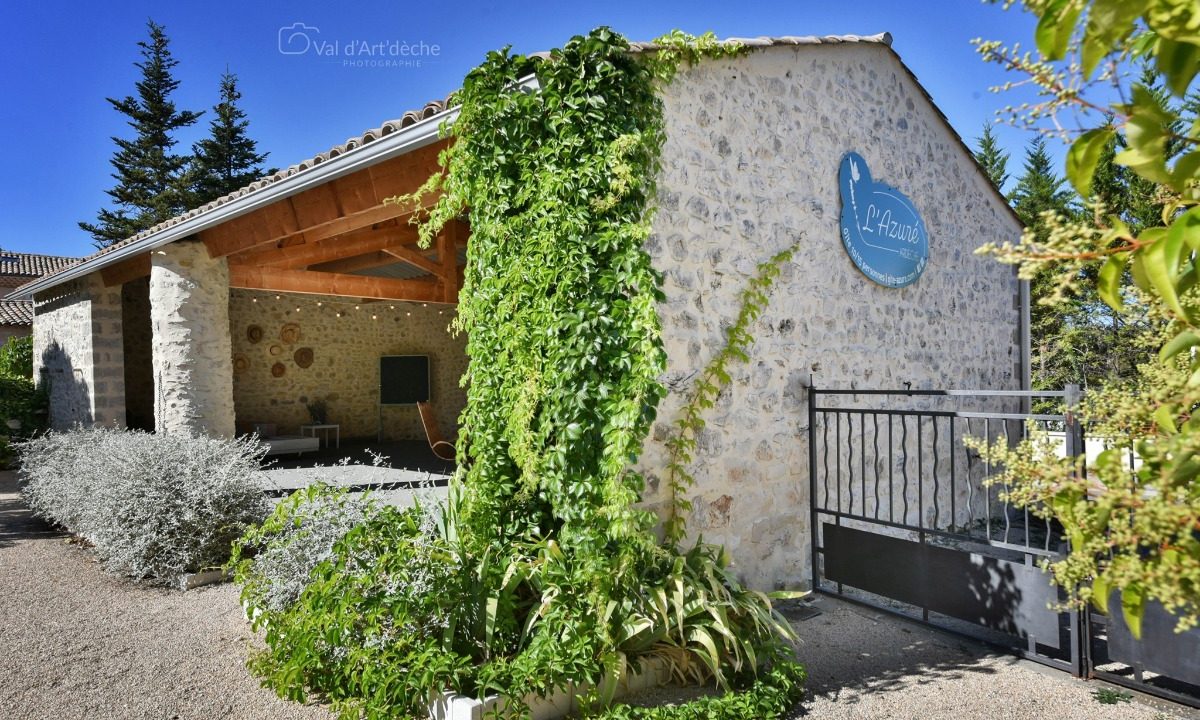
{"points": [[77, 643], [867, 664]]}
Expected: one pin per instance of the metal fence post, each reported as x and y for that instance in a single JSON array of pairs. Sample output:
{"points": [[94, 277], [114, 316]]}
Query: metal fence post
{"points": [[1073, 431], [1076, 447], [814, 531]]}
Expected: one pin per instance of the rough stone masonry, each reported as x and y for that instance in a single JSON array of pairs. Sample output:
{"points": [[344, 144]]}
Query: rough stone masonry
{"points": [[750, 168]]}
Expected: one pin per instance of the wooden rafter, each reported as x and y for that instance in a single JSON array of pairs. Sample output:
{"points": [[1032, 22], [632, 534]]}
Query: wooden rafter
{"points": [[354, 264], [414, 258], [324, 283], [345, 246], [126, 270], [341, 205], [447, 244]]}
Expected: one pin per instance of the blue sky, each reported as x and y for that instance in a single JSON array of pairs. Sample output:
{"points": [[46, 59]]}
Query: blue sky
{"points": [[62, 59]]}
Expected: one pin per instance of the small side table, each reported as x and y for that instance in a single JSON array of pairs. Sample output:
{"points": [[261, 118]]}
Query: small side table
{"points": [[312, 430]]}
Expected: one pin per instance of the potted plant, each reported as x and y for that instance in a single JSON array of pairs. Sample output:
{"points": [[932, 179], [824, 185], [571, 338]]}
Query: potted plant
{"points": [[318, 410]]}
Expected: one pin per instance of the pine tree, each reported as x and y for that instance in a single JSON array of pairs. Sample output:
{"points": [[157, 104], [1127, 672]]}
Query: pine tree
{"points": [[228, 159], [1052, 328], [151, 182], [992, 158], [1039, 189]]}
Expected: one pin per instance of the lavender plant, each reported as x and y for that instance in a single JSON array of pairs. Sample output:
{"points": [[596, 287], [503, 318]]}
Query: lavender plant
{"points": [[154, 506]]}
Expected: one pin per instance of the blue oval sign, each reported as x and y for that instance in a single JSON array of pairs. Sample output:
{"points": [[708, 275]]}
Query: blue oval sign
{"points": [[881, 229]]}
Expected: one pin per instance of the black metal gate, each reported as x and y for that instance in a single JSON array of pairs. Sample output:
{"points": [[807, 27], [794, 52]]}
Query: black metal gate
{"points": [[903, 520]]}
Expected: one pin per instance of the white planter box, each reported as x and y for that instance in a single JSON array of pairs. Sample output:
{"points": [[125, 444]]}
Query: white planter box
{"points": [[452, 706]]}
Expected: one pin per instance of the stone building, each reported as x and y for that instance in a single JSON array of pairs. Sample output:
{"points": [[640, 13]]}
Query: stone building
{"points": [[199, 323], [17, 269]]}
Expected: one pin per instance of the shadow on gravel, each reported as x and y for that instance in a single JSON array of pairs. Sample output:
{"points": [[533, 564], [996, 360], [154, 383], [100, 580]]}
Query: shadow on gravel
{"points": [[17, 523], [851, 653]]}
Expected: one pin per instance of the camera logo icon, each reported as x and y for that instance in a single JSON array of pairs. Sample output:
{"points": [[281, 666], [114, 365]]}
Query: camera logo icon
{"points": [[296, 39]]}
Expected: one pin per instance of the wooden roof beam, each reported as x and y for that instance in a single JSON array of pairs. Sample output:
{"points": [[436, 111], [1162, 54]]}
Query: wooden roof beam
{"points": [[126, 270], [341, 284], [414, 258], [351, 245]]}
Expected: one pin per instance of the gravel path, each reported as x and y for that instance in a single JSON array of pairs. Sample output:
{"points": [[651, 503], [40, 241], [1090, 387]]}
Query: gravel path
{"points": [[866, 664], [78, 643]]}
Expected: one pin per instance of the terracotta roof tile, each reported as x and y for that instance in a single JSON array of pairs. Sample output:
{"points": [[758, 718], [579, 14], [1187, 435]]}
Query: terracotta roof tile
{"points": [[31, 265], [16, 312]]}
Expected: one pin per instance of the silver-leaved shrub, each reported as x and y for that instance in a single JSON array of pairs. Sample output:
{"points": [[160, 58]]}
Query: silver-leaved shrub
{"points": [[272, 561], [154, 506]]}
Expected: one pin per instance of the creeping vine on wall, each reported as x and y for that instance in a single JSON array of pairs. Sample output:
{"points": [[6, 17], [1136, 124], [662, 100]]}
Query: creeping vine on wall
{"points": [[707, 386], [547, 572], [559, 299]]}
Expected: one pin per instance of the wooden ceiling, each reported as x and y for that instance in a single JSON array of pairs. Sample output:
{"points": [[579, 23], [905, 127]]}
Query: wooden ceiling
{"points": [[315, 241]]}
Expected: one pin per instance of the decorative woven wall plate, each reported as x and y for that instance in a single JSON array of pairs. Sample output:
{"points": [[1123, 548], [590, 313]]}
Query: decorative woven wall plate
{"points": [[278, 370], [240, 363], [254, 333], [276, 350], [303, 357], [290, 334]]}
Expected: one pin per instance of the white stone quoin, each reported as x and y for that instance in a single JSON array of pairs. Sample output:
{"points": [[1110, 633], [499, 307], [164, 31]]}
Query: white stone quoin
{"points": [[189, 312]]}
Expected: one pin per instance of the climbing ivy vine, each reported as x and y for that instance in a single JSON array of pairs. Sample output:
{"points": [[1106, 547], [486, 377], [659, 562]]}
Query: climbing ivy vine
{"points": [[546, 570], [707, 387]]}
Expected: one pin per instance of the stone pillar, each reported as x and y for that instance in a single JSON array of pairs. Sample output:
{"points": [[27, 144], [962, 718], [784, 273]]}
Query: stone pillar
{"points": [[193, 366]]}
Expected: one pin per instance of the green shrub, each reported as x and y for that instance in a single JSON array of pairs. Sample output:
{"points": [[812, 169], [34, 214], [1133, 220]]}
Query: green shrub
{"points": [[401, 608], [547, 572], [20, 400], [16, 357], [272, 561], [154, 506]]}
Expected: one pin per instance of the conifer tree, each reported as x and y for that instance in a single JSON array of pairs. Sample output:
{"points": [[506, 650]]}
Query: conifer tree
{"points": [[1039, 189], [228, 159], [992, 158], [151, 178]]}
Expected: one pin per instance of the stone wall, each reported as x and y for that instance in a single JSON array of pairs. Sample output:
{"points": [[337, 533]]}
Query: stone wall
{"points": [[750, 168], [78, 352], [189, 314], [345, 365]]}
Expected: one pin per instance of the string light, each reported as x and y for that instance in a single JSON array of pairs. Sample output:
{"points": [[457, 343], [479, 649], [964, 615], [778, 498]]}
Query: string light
{"points": [[297, 309], [277, 297], [374, 317]]}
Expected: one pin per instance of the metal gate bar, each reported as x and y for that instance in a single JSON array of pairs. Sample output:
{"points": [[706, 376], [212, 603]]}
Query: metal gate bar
{"points": [[945, 544], [961, 542]]}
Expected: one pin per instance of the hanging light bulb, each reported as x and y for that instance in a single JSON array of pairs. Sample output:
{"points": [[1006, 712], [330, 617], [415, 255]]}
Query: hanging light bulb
{"points": [[356, 307], [374, 317], [319, 303], [277, 297], [297, 309]]}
